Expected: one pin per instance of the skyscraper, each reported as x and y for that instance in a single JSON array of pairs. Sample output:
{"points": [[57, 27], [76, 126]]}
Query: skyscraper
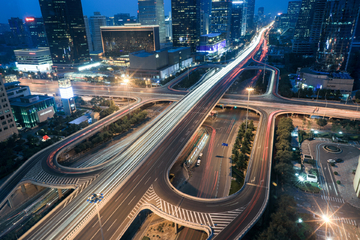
{"points": [[36, 28], [261, 17], [65, 30], [301, 43], [221, 17], [20, 34], [151, 12], [168, 26], [250, 16], [205, 16], [236, 20], [337, 31], [96, 22], [120, 19], [88, 34], [293, 12], [185, 22]]}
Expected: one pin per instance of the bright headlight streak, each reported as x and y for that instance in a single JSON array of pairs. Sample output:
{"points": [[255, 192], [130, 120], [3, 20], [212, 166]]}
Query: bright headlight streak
{"points": [[127, 161]]}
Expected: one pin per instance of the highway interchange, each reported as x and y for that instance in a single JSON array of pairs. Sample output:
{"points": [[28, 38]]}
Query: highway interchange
{"points": [[147, 169]]}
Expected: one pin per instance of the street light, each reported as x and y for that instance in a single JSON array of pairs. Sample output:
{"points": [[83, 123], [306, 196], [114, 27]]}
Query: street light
{"points": [[126, 81], [95, 198], [249, 89]]}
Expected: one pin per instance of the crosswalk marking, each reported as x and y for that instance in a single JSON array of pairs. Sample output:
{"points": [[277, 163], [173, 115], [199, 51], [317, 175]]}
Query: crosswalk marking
{"points": [[334, 199], [346, 220]]}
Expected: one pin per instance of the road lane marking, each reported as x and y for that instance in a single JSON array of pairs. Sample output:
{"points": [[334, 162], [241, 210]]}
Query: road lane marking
{"points": [[111, 225], [147, 180], [131, 200], [333, 182], [118, 197], [135, 178]]}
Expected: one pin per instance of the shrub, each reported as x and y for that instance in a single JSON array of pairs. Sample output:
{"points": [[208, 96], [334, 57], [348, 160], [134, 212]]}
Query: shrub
{"points": [[336, 173], [338, 182]]}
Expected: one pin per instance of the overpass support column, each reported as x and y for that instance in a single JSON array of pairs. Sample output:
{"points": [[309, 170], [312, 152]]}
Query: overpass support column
{"points": [[60, 194], [10, 202], [23, 189], [176, 228]]}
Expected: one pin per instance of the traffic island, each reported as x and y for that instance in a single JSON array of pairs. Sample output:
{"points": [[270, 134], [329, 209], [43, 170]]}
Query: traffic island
{"points": [[332, 149]]}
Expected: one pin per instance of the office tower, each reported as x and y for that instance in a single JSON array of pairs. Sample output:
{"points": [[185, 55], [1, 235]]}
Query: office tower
{"points": [[221, 17], [121, 18], [122, 40], [250, 16], [185, 21], [88, 34], [236, 20], [317, 21], [338, 28], [109, 21], [353, 63], [293, 12], [151, 12], [205, 16], [20, 35], [36, 28], [260, 17], [301, 43], [7, 123], [96, 22], [168, 26], [261, 11], [65, 30]]}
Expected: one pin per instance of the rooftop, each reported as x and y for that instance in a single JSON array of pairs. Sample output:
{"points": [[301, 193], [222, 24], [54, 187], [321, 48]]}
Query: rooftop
{"points": [[17, 101], [211, 35], [39, 49]]}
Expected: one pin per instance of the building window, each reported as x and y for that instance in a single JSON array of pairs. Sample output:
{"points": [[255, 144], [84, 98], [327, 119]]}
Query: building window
{"points": [[4, 122], [5, 128], [2, 117]]}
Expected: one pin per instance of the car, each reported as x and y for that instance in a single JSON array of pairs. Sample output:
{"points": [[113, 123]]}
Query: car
{"points": [[200, 155], [331, 161], [311, 178], [198, 162], [339, 160]]}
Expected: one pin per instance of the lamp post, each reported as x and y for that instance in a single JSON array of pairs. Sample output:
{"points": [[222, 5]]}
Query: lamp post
{"points": [[126, 81], [249, 89], [95, 198]]}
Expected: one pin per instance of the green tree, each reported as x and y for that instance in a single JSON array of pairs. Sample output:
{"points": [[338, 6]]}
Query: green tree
{"points": [[321, 122]]}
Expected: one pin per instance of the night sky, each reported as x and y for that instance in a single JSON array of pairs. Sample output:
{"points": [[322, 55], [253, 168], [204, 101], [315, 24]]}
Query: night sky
{"points": [[23, 8]]}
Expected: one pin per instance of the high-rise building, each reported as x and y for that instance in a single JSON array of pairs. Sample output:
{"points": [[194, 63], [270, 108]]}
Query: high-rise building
{"points": [[250, 16], [20, 34], [293, 12], [65, 30], [121, 18], [185, 22], [88, 33], [337, 31], [205, 16], [7, 123], [36, 28], [122, 40], [109, 21], [261, 11], [236, 20], [96, 22], [221, 17], [151, 12], [260, 17], [317, 21], [168, 26], [301, 43]]}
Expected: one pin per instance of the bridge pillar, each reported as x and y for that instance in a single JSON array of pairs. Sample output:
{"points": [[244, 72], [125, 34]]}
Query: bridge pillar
{"points": [[36, 187], [23, 189], [10, 202], [176, 228], [60, 194]]}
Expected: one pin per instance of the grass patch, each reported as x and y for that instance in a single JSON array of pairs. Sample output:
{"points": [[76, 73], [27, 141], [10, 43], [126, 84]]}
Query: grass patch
{"points": [[308, 187], [235, 186], [145, 238]]}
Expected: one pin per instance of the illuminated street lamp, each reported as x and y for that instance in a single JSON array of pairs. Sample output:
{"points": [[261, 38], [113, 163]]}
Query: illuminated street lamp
{"points": [[96, 198], [249, 89], [126, 81]]}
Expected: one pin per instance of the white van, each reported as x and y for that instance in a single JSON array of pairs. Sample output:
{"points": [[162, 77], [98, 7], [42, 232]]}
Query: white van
{"points": [[198, 162]]}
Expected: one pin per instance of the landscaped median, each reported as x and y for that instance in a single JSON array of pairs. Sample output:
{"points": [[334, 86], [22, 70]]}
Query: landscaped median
{"points": [[241, 155]]}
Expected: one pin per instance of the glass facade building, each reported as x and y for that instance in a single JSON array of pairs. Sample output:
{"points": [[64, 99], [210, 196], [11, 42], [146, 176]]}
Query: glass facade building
{"points": [[122, 40], [236, 20], [250, 5], [151, 12], [65, 30], [337, 31], [221, 17], [36, 28], [21, 37], [30, 110], [293, 12], [185, 23]]}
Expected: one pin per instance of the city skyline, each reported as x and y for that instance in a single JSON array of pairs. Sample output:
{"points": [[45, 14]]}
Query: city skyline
{"points": [[22, 8]]}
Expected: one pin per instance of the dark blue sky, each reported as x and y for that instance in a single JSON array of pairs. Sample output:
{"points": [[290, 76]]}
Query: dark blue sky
{"points": [[22, 8]]}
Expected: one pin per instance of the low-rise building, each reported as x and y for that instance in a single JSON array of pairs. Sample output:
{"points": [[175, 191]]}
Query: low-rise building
{"points": [[31, 110], [10, 78], [159, 64], [33, 60], [341, 81], [212, 43], [14, 90]]}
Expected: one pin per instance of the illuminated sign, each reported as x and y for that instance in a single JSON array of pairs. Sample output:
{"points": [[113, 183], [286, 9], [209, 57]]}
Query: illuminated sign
{"points": [[89, 66], [46, 112], [66, 93], [29, 19], [32, 53]]}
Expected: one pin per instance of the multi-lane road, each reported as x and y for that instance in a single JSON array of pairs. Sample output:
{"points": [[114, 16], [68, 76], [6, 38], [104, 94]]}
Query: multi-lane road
{"points": [[149, 160]]}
